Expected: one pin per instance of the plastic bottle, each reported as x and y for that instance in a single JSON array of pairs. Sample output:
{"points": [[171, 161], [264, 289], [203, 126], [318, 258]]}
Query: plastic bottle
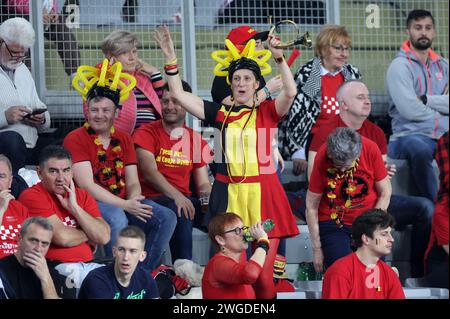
{"points": [[268, 225]]}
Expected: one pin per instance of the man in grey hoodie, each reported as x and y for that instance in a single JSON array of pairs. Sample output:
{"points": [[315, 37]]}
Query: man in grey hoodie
{"points": [[417, 86]]}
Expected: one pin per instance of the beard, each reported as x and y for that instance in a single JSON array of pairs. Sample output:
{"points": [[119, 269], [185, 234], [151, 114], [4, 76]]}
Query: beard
{"points": [[422, 43], [11, 64]]}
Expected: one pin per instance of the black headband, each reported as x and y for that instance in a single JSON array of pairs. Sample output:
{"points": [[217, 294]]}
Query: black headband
{"points": [[104, 91], [244, 63]]}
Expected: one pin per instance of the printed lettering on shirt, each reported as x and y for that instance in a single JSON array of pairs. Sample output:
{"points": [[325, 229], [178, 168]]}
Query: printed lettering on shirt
{"points": [[172, 158]]}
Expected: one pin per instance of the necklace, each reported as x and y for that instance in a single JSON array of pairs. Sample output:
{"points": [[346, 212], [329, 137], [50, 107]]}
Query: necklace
{"points": [[227, 163], [333, 176], [110, 177]]}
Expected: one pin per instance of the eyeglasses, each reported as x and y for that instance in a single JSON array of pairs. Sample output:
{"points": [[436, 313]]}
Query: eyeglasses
{"points": [[341, 48], [238, 230], [15, 55]]}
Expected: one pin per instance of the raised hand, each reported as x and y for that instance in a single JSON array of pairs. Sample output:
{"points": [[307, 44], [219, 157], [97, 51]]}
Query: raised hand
{"points": [[164, 40], [273, 42]]}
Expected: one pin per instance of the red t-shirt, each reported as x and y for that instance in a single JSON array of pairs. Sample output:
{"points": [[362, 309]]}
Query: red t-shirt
{"points": [[12, 221], [330, 105], [175, 158], [368, 129], [83, 148], [371, 169], [349, 278], [225, 278], [440, 225], [41, 203]]}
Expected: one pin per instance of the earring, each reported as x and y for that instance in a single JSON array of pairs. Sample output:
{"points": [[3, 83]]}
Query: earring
{"points": [[232, 97], [222, 248]]}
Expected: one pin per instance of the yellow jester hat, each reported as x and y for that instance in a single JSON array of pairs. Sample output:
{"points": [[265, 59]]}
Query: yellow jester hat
{"points": [[104, 80], [225, 57]]}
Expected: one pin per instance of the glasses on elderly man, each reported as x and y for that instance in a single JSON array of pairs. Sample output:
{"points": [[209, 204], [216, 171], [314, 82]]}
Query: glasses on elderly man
{"points": [[341, 48], [16, 55], [237, 230]]}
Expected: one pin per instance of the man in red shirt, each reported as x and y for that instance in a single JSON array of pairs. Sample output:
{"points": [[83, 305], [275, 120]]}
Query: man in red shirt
{"points": [[77, 223], [348, 178], [105, 165], [353, 96], [362, 274], [168, 154], [12, 212]]}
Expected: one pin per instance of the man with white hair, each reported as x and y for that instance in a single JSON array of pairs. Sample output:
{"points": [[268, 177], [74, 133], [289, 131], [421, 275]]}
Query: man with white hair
{"points": [[22, 113]]}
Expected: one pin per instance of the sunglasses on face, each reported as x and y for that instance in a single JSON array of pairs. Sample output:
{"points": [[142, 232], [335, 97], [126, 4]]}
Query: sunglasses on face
{"points": [[237, 230]]}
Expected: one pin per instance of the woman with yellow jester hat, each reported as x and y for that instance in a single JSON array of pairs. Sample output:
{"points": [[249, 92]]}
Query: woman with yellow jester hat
{"points": [[246, 182]]}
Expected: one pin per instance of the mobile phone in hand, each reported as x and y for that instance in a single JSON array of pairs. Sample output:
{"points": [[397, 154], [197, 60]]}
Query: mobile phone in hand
{"points": [[35, 112]]}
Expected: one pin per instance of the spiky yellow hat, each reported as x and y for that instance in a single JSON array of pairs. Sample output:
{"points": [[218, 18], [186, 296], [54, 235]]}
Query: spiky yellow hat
{"points": [[105, 80], [225, 57]]}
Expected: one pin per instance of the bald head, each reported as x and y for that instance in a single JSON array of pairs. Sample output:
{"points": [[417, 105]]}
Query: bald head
{"points": [[354, 101]]}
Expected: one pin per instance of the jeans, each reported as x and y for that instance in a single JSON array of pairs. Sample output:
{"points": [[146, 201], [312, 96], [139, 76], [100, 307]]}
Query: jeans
{"points": [[418, 150], [181, 242], [335, 241], [418, 212], [158, 229], [13, 147]]}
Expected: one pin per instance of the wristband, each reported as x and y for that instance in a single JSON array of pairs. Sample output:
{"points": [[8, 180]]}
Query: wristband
{"points": [[171, 72], [264, 244], [174, 61], [266, 90]]}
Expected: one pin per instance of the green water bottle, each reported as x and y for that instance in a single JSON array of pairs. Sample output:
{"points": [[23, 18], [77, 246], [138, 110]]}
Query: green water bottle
{"points": [[268, 225], [302, 272]]}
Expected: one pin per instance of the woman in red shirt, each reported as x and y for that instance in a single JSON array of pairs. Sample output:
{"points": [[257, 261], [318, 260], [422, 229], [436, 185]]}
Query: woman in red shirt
{"points": [[228, 275]]}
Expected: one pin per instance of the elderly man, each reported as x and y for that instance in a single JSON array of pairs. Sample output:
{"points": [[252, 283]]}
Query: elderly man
{"points": [[348, 178], [22, 114], [12, 212], [417, 86], [353, 97]]}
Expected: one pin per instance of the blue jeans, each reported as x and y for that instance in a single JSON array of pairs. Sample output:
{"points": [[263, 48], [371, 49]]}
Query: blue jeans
{"points": [[181, 242], [418, 212], [418, 150], [158, 229], [335, 241]]}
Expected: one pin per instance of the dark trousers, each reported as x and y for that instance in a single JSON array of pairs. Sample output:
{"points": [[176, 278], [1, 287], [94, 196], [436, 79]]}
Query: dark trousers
{"points": [[335, 241], [418, 212], [13, 146], [66, 44]]}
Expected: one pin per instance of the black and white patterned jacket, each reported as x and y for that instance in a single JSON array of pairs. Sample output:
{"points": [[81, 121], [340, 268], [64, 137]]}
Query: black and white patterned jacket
{"points": [[295, 128]]}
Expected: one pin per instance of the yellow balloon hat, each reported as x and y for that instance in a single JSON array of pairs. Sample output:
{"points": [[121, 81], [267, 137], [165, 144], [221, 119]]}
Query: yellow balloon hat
{"points": [[103, 75], [225, 57]]}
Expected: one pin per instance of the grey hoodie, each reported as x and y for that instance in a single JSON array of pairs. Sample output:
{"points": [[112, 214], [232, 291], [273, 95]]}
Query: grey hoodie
{"points": [[406, 79]]}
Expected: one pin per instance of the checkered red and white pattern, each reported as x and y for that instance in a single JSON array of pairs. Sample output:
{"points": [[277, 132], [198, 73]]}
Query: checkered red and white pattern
{"points": [[330, 105], [9, 232], [70, 222]]}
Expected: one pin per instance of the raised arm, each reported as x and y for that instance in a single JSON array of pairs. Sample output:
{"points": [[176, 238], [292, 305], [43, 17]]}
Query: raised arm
{"points": [[289, 90], [190, 102]]}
